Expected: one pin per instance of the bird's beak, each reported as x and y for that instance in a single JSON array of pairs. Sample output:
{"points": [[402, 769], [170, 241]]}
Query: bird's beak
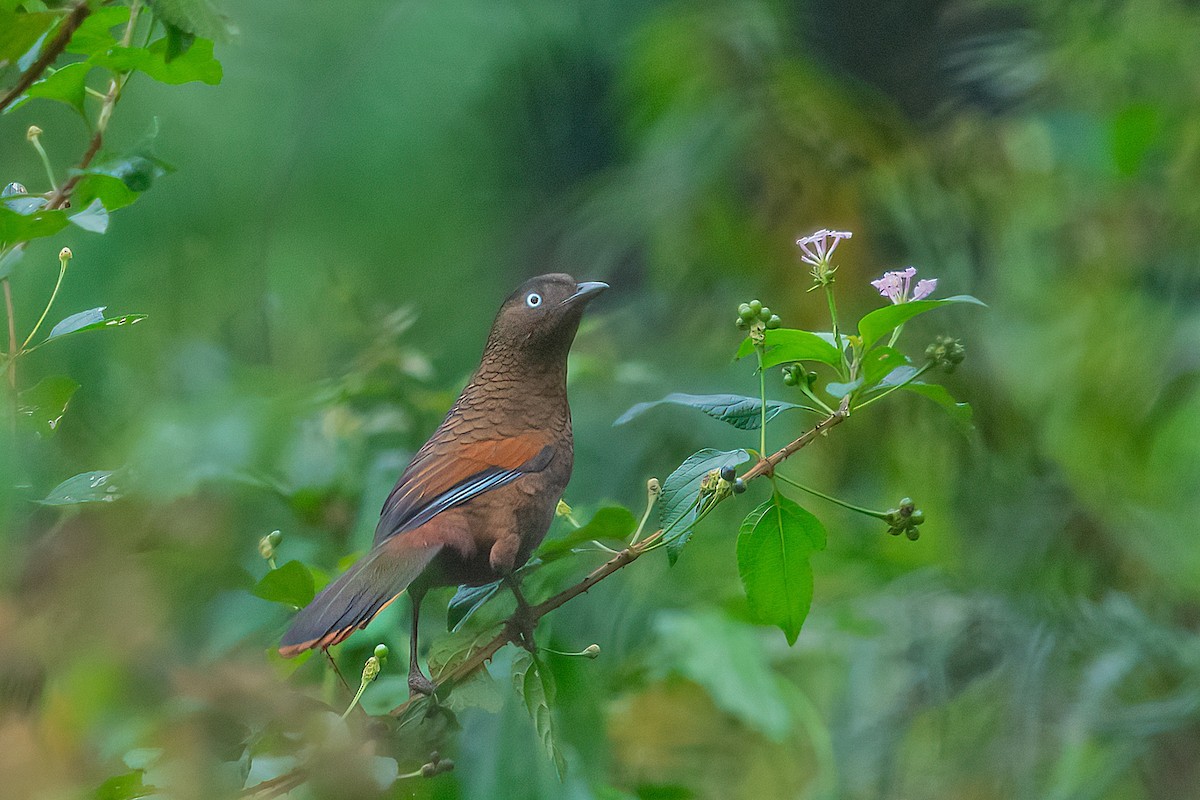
{"points": [[586, 291]]}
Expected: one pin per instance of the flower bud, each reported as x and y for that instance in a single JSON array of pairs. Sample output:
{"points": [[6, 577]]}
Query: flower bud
{"points": [[562, 509], [429, 770], [33, 133], [265, 548], [946, 353], [591, 651], [65, 254], [653, 487], [381, 652], [275, 538]]}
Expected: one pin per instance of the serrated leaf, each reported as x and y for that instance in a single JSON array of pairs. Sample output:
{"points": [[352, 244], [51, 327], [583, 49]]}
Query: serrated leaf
{"points": [[773, 548], [197, 17], [785, 345], [197, 64], [94, 218], [98, 486], [682, 487], [536, 687], [45, 403], [67, 85], [291, 584], [741, 412], [91, 320], [612, 523], [882, 321]]}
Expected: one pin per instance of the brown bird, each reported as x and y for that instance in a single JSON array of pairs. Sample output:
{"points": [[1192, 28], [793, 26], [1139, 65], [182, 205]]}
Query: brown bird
{"points": [[480, 495]]}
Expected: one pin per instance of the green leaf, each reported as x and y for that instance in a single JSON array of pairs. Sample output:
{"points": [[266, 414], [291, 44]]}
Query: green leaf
{"points": [[610, 523], [1134, 131], [94, 218], [682, 487], [45, 403], [466, 601], [839, 390], [89, 487], [197, 64], [291, 584], [959, 412], [884, 320], [178, 42], [20, 31], [128, 786], [878, 363], [137, 171], [773, 547], [109, 191], [95, 35], [740, 412], [91, 320], [197, 17], [785, 345], [535, 686], [67, 85], [17, 227]]}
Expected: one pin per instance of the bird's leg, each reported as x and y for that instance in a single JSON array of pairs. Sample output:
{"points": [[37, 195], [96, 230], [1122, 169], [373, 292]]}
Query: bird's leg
{"points": [[522, 620], [417, 682]]}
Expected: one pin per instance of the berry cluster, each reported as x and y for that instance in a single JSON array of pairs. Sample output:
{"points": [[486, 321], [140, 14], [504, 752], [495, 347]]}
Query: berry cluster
{"points": [[946, 352], [755, 313], [905, 519], [729, 475], [793, 374]]}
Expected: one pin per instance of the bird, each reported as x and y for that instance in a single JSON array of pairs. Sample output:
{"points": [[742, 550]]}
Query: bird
{"points": [[479, 496]]}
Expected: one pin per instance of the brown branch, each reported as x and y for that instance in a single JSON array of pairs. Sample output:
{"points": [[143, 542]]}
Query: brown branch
{"points": [[510, 633], [66, 30]]}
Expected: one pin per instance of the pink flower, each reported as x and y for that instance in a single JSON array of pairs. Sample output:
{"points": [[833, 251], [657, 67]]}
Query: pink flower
{"points": [[895, 286], [818, 247]]}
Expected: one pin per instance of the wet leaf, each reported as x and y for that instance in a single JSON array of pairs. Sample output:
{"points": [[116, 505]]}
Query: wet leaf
{"points": [[98, 486], [44, 404], [91, 320]]}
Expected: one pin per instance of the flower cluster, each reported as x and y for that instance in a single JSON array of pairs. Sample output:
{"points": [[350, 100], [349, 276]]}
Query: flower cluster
{"points": [[905, 519], [895, 286], [817, 249]]}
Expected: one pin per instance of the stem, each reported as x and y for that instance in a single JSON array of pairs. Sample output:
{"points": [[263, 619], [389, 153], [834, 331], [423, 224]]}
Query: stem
{"points": [[79, 12], [834, 500], [651, 499], [837, 336], [37, 145], [62, 271], [362, 687], [12, 344], [883, 394], [762, 400]]}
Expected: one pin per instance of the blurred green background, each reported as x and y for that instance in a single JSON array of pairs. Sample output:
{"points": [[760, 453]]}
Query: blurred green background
{"points": [[371, 179]]}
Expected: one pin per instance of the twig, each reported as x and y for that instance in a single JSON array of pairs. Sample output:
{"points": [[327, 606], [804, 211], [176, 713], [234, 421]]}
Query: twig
{"points": [[483, 654], [66, 30], [12, 347]]}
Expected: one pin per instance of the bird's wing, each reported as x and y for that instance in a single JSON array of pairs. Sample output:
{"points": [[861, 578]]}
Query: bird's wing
{"points": [[445, 476]]}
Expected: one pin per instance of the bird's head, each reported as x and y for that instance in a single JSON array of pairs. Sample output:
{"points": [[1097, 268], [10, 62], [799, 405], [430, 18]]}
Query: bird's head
{"points": [[541, 317]]}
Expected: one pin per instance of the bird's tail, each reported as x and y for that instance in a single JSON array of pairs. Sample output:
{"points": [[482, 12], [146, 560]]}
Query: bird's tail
{"points": [[353, 600]]}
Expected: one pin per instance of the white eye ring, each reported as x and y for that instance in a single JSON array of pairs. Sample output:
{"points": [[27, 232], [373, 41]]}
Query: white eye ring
{"points": [[533, 299]]}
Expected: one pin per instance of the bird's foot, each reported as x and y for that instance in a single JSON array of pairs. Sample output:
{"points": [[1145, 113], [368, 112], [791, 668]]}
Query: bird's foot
{"points": [[520, 627], [419, 684]]}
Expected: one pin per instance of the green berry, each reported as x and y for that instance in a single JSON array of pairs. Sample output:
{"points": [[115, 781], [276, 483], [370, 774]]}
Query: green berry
{"points": [[739, 486], [917, 518], [756, 307], [742, 324], [381, 651], [275, 537], [913, 534], [765, 313], [745, 312], [789, 378], [774, 322]]}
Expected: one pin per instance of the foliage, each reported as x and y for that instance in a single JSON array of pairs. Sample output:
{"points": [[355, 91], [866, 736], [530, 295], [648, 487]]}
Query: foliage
{"points": [[327, 232]]}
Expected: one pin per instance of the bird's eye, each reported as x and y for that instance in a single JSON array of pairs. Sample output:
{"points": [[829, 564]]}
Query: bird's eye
{"points": [[533, 299]]}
